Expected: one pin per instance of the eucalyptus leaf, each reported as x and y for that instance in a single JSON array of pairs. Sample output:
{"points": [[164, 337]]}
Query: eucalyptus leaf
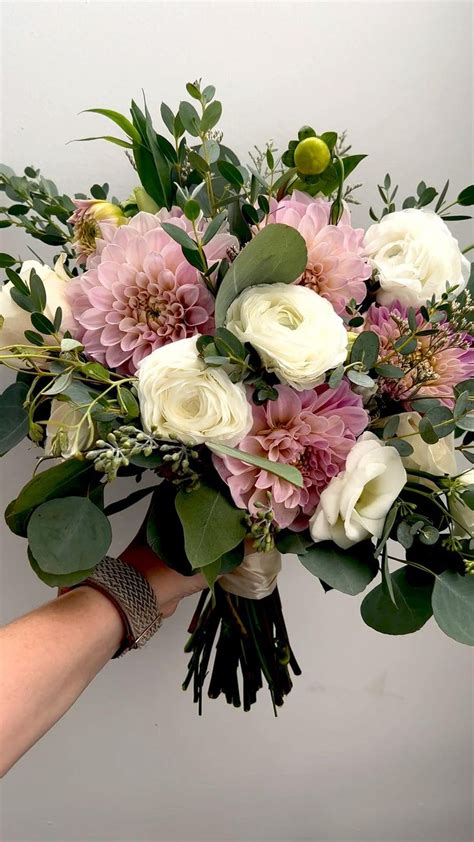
{"points": [[453, 605], [277, 254], [412, 609], [73, 476], [55, 580], [68, 534], [349, 571]]}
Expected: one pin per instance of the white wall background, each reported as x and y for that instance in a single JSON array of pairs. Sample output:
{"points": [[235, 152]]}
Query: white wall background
{"points": [[375, 742]]}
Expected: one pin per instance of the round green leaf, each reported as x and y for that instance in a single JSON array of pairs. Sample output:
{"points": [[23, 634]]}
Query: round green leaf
{"points": [[53, 580], [68, 534], [349, 571], [277, 254], [453, 605], [412, 609]]}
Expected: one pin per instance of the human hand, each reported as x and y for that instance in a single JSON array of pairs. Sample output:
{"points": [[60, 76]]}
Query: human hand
{"points": [[169, 586]]}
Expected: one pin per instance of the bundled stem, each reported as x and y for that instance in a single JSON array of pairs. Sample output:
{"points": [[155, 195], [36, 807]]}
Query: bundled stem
{"points": [[251, 640]]}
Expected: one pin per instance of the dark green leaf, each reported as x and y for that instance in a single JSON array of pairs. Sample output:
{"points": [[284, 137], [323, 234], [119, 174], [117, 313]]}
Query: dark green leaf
{"points": [[179, 235], [41, 323], [164, 532], [366, 349], [453, 605], [13, 416], [412, 609], [231, 173], [68, 534], [193, 91], [34, 338], [25, 302], [126, 502], [466, 196], [349, 571], [116, 140], [276, 255], [213, 227], [120, 120], [17, 282], [293, 542], [6, 260], [212, 525], [37, 292], [72, 476]]}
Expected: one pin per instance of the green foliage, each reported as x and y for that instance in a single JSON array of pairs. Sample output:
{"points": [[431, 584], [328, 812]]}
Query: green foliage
{"points": [[276, 255], [287, 472], [412, 606], [293, 542], [58, 580], [453, 605], [13, 416], [71, 477], [212, 525], [349, 571], [37, 207], [164, 533], [424, 196], [68, 535]]}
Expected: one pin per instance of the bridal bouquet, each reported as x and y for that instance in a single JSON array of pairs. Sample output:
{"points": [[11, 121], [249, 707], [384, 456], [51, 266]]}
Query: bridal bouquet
{"points": [[274, 379]]}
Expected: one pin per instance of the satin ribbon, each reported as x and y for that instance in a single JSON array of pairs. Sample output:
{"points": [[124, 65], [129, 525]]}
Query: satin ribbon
{"points": [[256, 577]]}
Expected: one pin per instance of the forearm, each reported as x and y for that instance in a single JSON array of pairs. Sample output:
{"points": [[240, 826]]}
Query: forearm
{"points": [[61, 647]]}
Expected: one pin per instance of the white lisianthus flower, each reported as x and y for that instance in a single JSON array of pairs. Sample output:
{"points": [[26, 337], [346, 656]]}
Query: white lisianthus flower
{"points": [[296, 332], [182, 397], [355, 504], [415, 256], [67, 431], [463, 514], [436, 459], [16, 321]]}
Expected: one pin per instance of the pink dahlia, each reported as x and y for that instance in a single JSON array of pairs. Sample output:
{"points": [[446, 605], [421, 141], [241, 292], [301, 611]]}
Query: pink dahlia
{"points": [[336, 269], [440, 361], [313, 430], [139, 292]]}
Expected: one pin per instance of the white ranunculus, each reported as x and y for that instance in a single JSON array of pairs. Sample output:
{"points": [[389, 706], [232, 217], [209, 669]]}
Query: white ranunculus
{"points": [[67, 432], [463, 514], [415, 256], [16, 320], [436, 459], [182, 397], [355, 504], [296, 332]]}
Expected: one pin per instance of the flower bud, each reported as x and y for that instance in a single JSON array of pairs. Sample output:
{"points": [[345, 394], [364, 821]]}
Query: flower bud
{"points": [[86, 220]]}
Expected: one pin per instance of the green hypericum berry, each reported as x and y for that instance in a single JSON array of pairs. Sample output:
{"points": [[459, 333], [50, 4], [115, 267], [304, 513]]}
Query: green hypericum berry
{"points": [[312, 156]]}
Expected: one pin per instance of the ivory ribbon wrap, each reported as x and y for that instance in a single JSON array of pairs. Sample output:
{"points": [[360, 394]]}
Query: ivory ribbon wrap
{"points": [[256, 577]]}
